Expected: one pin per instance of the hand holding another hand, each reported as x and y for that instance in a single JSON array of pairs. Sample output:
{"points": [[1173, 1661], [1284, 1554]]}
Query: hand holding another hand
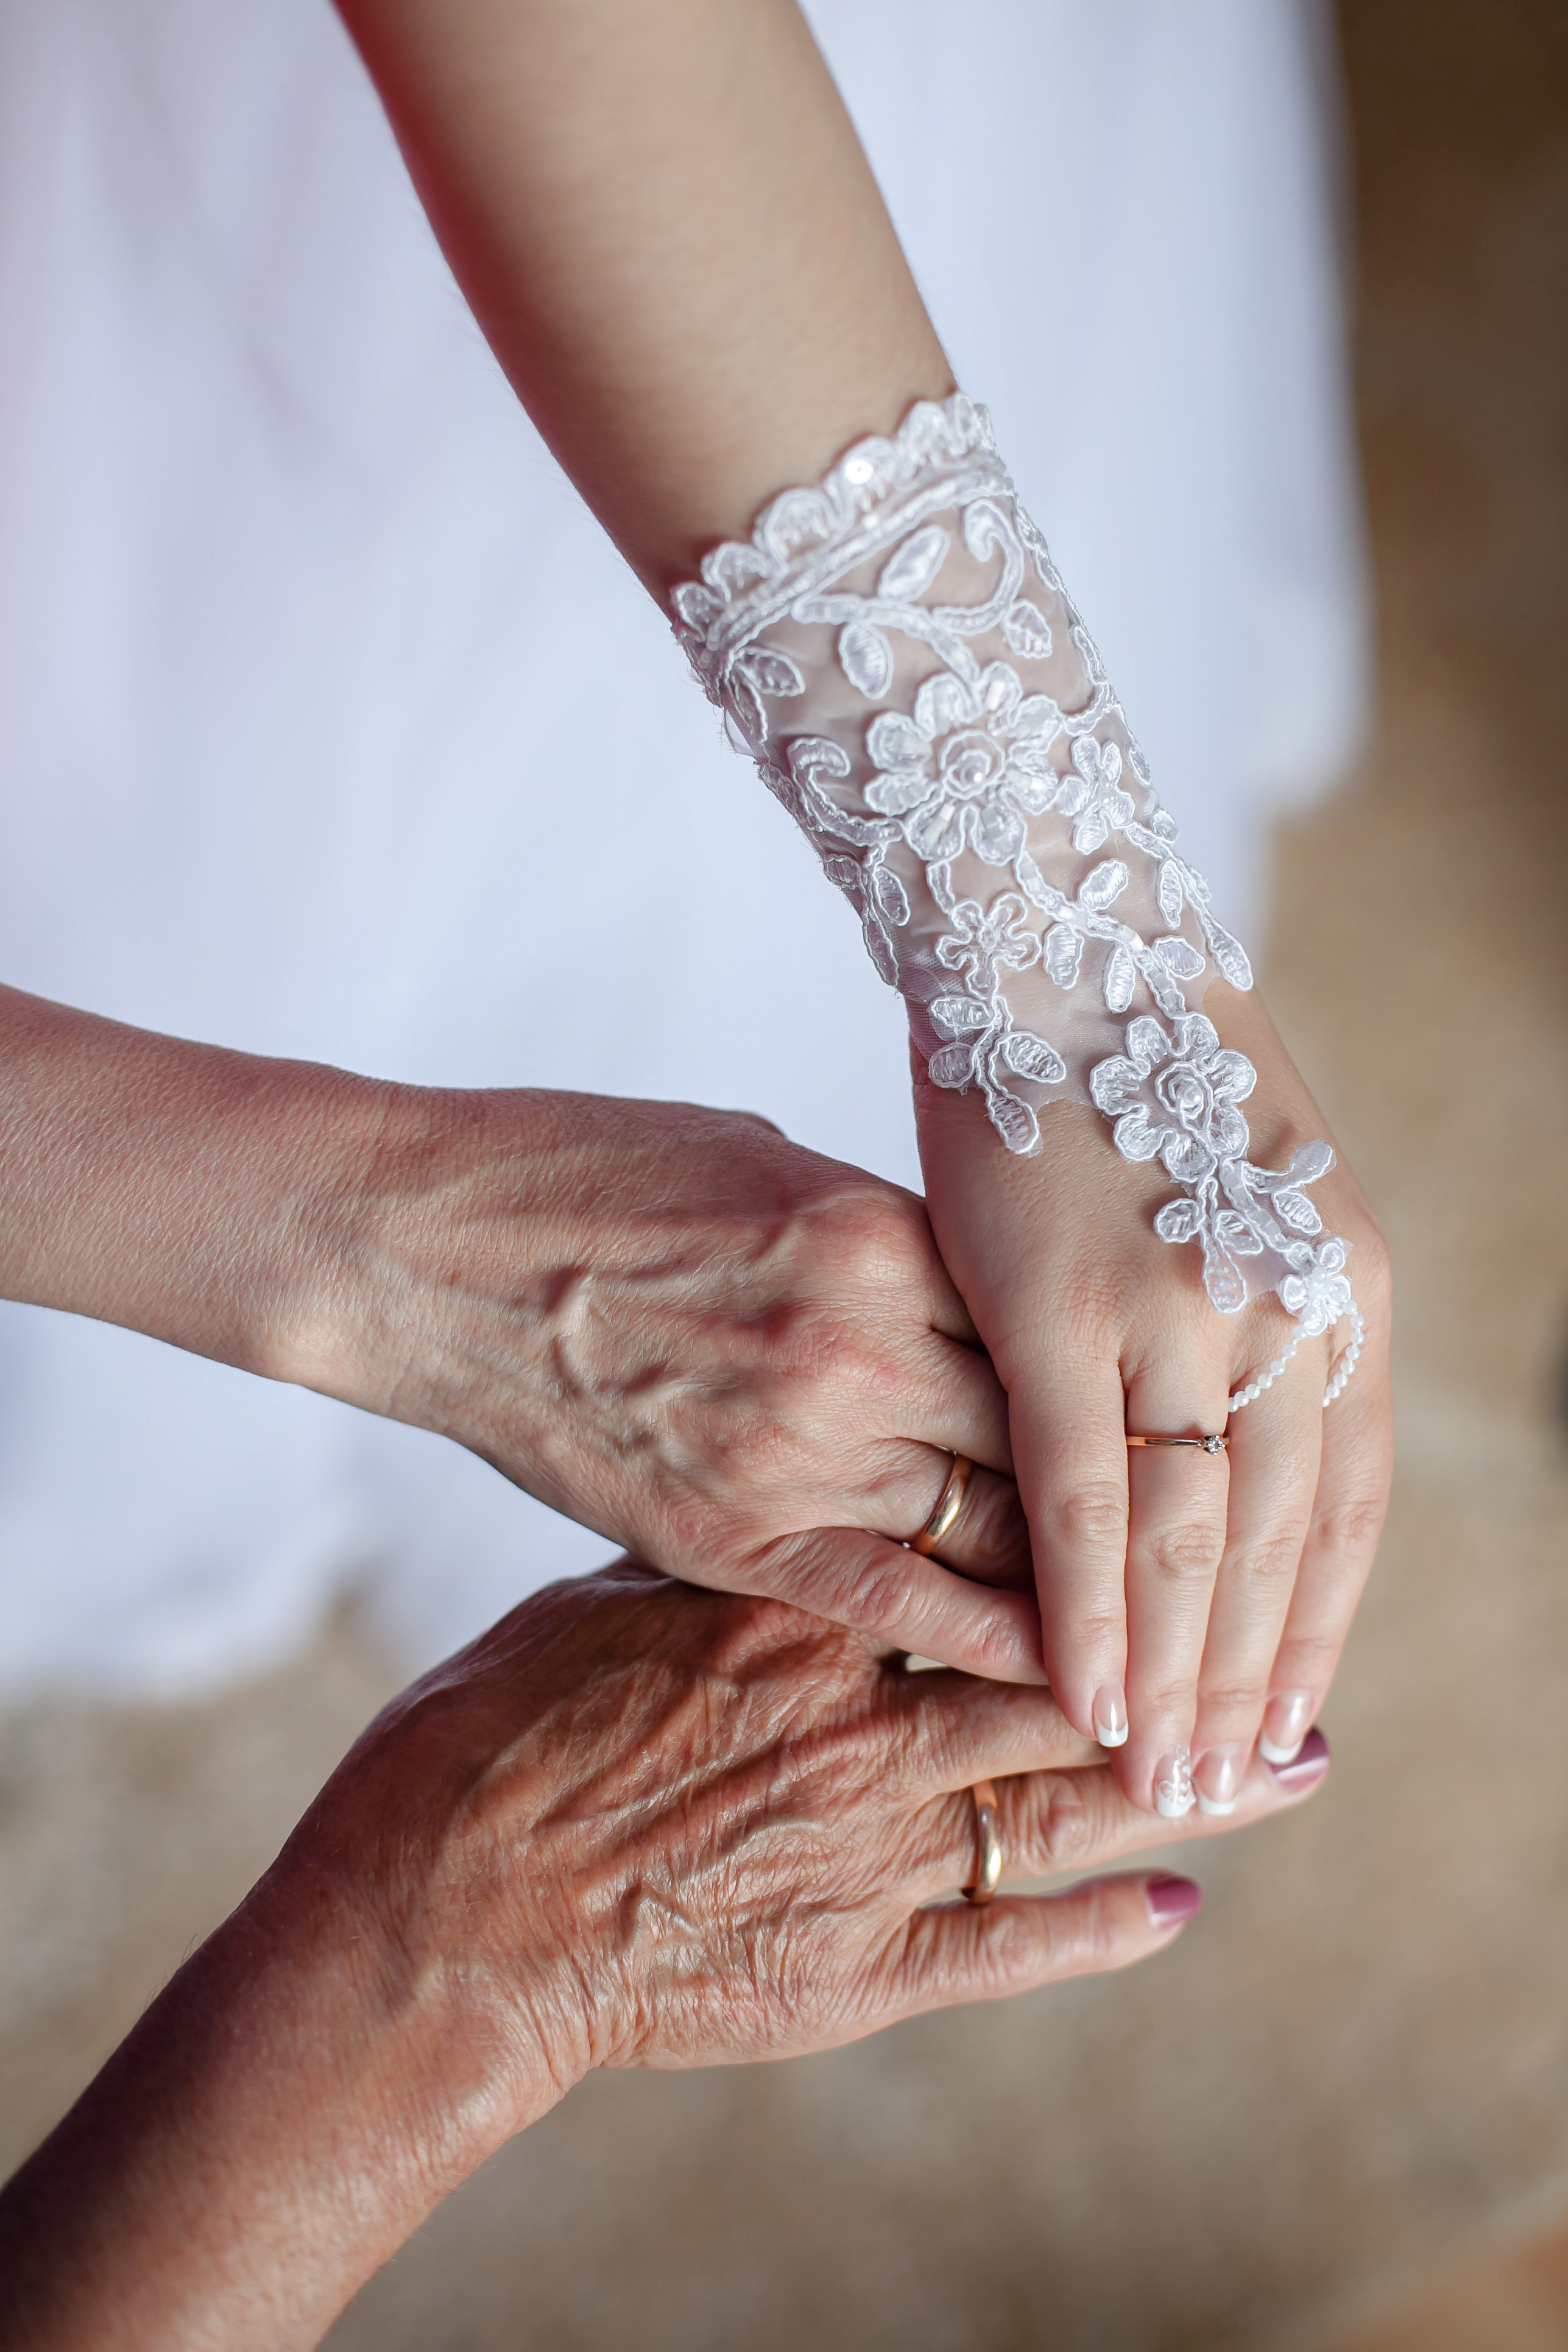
{"points": [[739, 1359], [636, 1824]]}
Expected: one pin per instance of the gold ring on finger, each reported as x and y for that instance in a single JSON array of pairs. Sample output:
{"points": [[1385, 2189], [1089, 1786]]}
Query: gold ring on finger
{"points": [[988, 1844], [1209, 1444], [949, 1503]]}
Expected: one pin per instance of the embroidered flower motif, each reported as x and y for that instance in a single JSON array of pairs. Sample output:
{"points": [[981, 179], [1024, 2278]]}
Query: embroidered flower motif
{"points": [[1092, 795], [970, 766], [981, 937], [805, 636], [1320, 1293], [1175, 1096]]}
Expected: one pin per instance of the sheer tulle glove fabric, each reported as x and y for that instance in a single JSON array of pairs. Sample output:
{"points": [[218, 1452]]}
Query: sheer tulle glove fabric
{"points": [[897, 651]]}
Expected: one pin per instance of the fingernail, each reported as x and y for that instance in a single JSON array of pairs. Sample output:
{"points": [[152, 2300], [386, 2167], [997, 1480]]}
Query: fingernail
{"points": [[1286, 1720], [1172, 1900], [1310, 1765], [1218, 1779], [1174, 1790], [1111, 1715]]}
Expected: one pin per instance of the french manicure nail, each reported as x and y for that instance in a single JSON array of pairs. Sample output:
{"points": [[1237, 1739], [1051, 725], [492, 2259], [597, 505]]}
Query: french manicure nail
{"points": [[1218, 1777], [1309, 1765], [1174, 1790], [1111, 1715], [1172, 1900], [1286, 1720]]}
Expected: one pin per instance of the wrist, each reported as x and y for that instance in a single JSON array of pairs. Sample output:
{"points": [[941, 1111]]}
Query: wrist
{"points": [[291, 2108], [175, 1188]]}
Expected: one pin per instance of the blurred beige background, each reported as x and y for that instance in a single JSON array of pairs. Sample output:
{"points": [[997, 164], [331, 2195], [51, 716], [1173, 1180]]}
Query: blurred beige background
{"points": [[1351, 2076]]}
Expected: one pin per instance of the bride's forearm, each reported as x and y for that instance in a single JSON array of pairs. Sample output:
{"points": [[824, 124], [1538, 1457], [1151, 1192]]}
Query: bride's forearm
{"points": [[668, 229], [175, 1188]]}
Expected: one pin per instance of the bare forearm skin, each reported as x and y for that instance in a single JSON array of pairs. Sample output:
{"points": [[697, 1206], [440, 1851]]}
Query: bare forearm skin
{"points": [[282, 2118], [178, 1189], [666, 226]]}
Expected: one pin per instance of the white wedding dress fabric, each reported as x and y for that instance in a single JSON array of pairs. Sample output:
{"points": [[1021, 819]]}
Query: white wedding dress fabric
{"points": [[298, 718]]}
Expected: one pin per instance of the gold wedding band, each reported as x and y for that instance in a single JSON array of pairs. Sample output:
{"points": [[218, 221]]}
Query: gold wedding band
{"points": [[988, 1844], [949, 1503], [1209, 1444]]}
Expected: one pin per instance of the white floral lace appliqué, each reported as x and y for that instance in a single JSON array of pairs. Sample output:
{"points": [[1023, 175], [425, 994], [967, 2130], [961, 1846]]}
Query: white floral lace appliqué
{"points": [[897, 650]]}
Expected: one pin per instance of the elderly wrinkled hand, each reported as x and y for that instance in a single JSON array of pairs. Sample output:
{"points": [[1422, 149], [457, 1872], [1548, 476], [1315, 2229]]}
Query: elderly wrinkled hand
{"points": [[637, 1823]]}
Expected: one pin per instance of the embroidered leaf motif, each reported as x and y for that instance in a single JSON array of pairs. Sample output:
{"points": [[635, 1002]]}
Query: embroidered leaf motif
{"points": [[1312, 1161], [846, 872], [960, 1016], [813, 755], [915, 565], [1172, 895], [889, 893], [1228, 953], [1294, 1209], [1030, 1058], [1064, 953], [1027, 630], [1179, 1220], [1101, 888], [1225, 1282], [1120, 978], [1014, 1123], [952, 1065], [1179, 956], [1234, 1234], [1146, 1042], [867, 659], [769, 673], [1231, 1075]]}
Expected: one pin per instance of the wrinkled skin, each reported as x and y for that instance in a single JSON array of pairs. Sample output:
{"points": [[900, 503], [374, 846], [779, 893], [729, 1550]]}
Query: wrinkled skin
{"points": [[717, 1348], [636, 1824], [660, 1827]]}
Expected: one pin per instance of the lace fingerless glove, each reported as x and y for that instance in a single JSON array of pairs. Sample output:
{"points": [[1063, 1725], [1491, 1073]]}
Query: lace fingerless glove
{"points": [[896, 650]]}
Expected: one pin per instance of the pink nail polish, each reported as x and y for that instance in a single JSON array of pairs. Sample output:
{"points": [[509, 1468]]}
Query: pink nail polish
{"points": [[1286, 1720], [1217, 1777], [1111, 1715], [1172, 1900], [1173, 1789], [1307, 1766]]}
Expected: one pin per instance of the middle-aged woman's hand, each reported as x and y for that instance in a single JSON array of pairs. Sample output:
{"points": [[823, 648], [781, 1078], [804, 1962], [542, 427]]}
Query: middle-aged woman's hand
{"points": [[634, 1825], [731, 1356], [739, 1359]]}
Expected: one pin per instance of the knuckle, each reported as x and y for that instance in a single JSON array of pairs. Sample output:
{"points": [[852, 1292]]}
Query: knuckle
{"points": [[1269, 1562], [1096, 1631], [991, 1530], [882, 1594], [1310, 1660], [744, 1629], [871, 1235], [1092, 1517], [1065, 1828], [1351, 1528], [1235, 1701], [1189, 1553]]}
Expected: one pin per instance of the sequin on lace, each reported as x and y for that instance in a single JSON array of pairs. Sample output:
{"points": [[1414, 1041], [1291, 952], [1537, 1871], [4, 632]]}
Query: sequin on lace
{"points": [[895, 648]]}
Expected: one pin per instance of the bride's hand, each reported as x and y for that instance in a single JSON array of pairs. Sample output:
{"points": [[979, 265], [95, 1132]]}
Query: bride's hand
{"points": [[1209, 1595], [717, 1348]]}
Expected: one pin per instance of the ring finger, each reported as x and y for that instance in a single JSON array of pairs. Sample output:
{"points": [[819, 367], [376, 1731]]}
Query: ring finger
{"points": [[1177, 1533]]}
